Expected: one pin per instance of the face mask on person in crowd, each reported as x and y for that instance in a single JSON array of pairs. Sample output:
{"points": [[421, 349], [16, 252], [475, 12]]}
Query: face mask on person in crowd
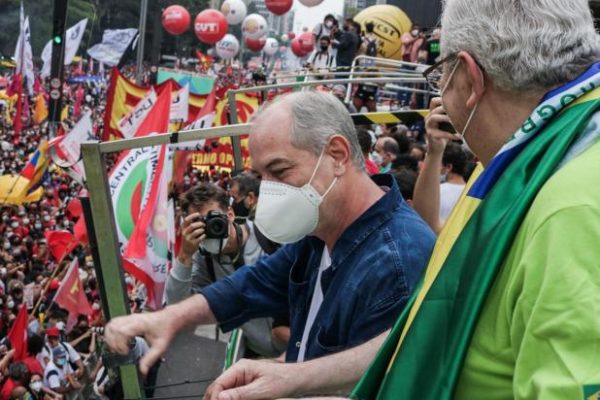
{"points": [[10, 304], [376, 157], [414, 32], [324, 47], [14, 225], [286, 213], [38, 225], [36, 386], [61, 362], [465, 145], [96, 306], [328, 24], [6, 246], [26, 221], [46, 218]]}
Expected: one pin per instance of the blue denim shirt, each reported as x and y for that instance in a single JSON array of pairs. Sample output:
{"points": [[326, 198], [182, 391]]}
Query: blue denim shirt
{"points": [[376, 264]]}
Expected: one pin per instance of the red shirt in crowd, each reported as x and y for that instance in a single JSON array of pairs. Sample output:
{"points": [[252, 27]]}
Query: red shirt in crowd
{"points": [[7, 388], [372, 168], [33, 365]]}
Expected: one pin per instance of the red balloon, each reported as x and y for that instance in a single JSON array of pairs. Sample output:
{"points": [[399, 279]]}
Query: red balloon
{"points": [[176, 19], [297, 48], [291, 35], [210, 26], [279, 7], [306, 42], [255, 44]]}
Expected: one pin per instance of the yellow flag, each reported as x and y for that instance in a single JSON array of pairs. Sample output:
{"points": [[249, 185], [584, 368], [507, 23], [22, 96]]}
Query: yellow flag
{"points": [[41, 111]]}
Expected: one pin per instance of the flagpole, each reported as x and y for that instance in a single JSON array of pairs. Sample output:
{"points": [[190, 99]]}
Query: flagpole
{"points": [[43, 292], [142, 37]]}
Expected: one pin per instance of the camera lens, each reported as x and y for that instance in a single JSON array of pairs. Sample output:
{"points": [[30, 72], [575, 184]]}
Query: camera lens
{"points": [[218, 228]]}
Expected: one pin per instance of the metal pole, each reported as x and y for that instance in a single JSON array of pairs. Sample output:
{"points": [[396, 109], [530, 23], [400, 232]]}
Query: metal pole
{"points": [[236, 143], [109, 255], [141, 40]]}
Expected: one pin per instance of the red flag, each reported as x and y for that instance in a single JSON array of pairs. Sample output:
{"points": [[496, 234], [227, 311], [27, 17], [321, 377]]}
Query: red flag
{"points": [[79, 96], [74, 208], [17, 88], [61, 243], [80, 231], [18, 335], [71, 296], [157, 120]]}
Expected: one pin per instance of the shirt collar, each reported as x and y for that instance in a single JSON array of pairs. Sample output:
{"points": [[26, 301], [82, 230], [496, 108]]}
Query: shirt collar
{"points": [[369, 221]]}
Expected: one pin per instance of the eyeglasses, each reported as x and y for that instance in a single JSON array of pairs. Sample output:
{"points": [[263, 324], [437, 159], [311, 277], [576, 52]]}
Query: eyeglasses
{"points": [[434, 74]]}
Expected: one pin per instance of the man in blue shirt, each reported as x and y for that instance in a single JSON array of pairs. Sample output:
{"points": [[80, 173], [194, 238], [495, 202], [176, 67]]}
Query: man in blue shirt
{"points": [[355, 250]]}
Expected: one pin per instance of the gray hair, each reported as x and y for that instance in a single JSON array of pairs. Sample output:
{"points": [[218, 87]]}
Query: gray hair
{"points": [[523, 44], [316, 117]]}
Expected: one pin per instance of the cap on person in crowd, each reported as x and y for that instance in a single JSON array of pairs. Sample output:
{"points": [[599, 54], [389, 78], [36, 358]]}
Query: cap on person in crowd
{"points": [[59, 352], [53, 332]]}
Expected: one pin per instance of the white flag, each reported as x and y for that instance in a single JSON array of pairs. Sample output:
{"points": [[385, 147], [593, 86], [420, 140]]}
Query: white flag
{"points": [[202, 122], [180, 104], [73, 38], [23, 54], [70, 145], [113, 46], [129, 124]]}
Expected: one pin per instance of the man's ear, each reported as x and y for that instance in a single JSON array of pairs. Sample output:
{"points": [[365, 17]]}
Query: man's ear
{"points": [[339, 150], [475, 78]]}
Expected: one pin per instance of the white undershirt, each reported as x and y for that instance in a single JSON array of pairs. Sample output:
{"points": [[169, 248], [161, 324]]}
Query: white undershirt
{"points": [[315, 304]]}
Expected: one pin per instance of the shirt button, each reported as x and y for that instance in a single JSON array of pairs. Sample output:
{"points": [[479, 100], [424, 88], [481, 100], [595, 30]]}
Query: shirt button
{"points": [[298, 344]]}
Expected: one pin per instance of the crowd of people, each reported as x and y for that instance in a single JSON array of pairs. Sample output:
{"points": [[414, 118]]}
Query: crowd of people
{"points": [[339, 229]]}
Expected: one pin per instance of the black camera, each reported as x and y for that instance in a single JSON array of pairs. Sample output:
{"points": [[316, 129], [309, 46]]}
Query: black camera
{"points": [[216, 225]]}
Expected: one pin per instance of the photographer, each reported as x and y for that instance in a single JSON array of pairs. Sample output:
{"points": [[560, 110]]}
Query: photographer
{"points": [[212, 248]]}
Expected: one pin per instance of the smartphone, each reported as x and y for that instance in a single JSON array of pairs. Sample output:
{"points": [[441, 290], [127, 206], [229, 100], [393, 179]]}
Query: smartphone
{"points": [[447, 127]]}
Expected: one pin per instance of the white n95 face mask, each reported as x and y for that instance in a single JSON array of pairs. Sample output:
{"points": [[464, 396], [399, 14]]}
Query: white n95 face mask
{"points": [[286, 213]]}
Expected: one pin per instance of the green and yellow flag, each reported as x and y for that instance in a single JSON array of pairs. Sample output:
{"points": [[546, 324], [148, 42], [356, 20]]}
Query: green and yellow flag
{"points": [[423, 356]]}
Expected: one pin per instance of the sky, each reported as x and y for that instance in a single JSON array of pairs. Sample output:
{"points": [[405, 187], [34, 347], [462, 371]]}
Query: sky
{"points": [[310, 16]]}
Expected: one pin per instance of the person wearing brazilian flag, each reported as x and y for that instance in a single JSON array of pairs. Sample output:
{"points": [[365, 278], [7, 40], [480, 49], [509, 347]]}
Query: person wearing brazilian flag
{"points": [[509, 305]]}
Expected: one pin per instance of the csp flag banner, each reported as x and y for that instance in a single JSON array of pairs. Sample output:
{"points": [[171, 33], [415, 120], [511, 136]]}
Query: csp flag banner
{"points": [[130, 123], [147, 252], [73, 38], [113, 46]]}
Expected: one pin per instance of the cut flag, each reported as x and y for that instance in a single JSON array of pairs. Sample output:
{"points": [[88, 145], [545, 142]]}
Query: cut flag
{"points": [[71, 296]]}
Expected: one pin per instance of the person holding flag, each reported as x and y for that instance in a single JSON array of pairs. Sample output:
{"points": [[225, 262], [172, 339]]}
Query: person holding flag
{"points": [[506, 308]]}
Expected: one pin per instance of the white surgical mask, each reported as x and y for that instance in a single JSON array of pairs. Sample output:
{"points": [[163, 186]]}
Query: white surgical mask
{"points": [[36, 386], [376, 157], [15, 224], [286, 213], [213, 246], [328, 24], [95, 306], [10, 304], [465, 145]]}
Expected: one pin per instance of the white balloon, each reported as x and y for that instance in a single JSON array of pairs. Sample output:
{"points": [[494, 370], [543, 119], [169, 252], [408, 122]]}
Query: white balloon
{"points": [[271, 46], [228, 47], [254, 26], [311, 3], [234, 10]]}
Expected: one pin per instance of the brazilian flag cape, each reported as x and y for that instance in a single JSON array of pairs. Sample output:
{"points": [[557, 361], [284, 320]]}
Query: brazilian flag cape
{"points": [[423, 356]]}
